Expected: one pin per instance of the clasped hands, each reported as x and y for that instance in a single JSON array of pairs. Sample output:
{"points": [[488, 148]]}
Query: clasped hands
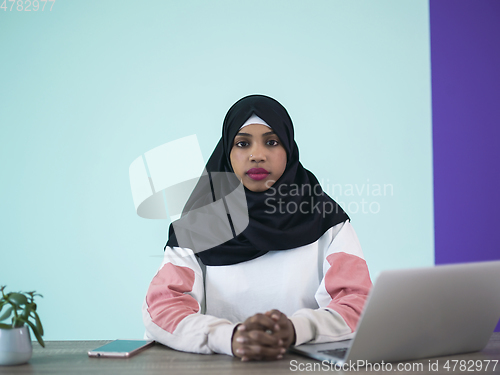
{"points": [[263, 337]]}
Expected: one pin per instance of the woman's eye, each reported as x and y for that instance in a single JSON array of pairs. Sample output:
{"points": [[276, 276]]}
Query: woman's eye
{"points": [[272, 142], [241, 144]]}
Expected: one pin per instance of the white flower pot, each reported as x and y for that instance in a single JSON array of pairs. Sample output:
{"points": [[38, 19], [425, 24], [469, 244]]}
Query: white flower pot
{"points": [[15, 346]]}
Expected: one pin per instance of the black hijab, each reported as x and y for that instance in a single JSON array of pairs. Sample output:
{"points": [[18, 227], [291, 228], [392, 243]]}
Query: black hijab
{"points": [[303, 216]]}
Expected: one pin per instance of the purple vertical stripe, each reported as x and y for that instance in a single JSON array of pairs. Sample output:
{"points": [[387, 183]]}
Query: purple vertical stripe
{"points": [[465, 52]]}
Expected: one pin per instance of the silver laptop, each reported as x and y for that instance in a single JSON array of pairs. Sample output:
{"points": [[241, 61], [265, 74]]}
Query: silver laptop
{"points": [[420, 313]]}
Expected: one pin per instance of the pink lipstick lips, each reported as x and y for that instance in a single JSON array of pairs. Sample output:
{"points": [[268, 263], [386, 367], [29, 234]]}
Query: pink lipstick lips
{"points": [[257, 173]]}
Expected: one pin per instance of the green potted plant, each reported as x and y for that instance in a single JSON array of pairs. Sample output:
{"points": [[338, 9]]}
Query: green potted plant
{"points": [[17, 313]]}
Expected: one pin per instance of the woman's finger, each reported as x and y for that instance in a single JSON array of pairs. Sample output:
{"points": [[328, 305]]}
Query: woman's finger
{"points": [[287, 330], [263, 338], [275, 314], [258, 337], [258, 352], [260, 322]]}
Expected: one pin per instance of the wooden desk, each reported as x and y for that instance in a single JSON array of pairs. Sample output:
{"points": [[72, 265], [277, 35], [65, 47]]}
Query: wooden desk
{"points": [[70, 357]]}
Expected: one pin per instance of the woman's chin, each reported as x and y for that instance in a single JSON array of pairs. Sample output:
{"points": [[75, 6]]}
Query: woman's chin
{"points": [[257, 186]]}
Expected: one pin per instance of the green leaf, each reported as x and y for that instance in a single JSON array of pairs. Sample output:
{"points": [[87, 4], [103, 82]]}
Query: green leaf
{"points": [[26, 313], [5, 326], [6, 313], [37, 334], [17, 298], [2, 304], [38, 323]]}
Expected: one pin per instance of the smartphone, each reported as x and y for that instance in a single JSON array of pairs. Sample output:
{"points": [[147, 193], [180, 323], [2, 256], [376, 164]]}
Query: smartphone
{"points": [[120, 348]]}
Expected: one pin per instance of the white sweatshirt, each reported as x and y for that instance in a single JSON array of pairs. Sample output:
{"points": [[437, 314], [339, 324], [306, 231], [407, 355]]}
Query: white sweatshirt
{"points": [[321, 287]]}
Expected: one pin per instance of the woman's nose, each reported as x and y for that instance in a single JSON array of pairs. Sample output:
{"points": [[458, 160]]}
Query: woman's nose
{"points": [[257, 154]]}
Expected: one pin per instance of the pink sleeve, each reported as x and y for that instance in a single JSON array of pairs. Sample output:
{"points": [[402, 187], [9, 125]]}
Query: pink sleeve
{"points": [[167, 300], [173, 308], [347, 281]]}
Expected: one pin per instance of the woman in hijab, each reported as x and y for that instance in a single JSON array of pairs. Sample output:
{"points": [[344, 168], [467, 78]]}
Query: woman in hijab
{"points": [[261, 257]]}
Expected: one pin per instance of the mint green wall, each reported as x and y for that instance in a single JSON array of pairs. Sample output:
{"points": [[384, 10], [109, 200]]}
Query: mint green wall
{"points": [[89, 86]]}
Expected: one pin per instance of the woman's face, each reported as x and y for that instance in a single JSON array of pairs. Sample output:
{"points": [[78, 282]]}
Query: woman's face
{"points": [[257, 157]]}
